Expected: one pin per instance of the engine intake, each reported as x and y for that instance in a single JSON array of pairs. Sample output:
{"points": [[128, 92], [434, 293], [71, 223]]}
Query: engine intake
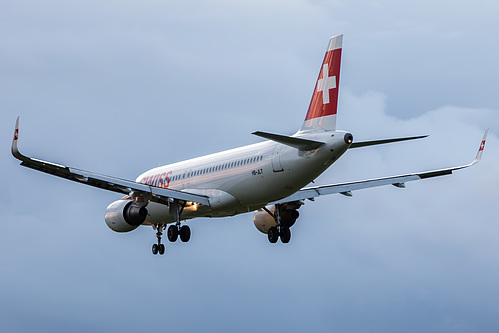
{"points": [[125, 215], [134, 214]]}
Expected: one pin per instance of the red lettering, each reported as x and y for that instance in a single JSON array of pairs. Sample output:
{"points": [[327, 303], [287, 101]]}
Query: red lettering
{"points": [[161, 179], [167, 179]]}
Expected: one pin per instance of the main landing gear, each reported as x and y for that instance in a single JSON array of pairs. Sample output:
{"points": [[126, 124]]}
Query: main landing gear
{"points": [[284, 233], [282, 229], [173, 230], [176, 230]]}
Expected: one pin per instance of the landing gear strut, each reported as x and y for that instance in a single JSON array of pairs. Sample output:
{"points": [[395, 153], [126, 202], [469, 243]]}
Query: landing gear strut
{"points": [[176, 209], [278, 231], [174, 230], [159, 247], [273, 234]]}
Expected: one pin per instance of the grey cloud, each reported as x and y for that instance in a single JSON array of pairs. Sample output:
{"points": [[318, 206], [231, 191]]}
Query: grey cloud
{"points": [[120, 87]]}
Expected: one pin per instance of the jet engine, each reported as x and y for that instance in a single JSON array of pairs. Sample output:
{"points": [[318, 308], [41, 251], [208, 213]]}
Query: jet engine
{"points": [[264, 221], [125, 215]]}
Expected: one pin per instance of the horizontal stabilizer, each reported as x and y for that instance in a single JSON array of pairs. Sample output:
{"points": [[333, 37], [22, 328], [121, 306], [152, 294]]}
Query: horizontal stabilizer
{"points": [[381, 142], [302, 144]]}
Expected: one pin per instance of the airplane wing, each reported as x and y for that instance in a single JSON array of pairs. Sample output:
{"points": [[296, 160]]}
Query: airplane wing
{"points": [[398, 181], [157, 194]]}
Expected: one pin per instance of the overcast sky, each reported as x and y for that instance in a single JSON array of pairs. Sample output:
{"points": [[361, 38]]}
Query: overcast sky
{"points": [[118, 87]]}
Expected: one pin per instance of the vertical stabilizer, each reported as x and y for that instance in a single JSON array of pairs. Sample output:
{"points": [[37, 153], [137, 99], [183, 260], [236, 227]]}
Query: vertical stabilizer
{"points": [[321, 113]]}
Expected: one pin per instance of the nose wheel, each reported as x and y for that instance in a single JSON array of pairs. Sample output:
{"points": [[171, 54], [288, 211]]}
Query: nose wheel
{"points": [[159, 247]]}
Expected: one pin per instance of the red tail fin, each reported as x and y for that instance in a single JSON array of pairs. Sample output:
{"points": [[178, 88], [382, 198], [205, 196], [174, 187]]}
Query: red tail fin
{"points": [[321, 113]]}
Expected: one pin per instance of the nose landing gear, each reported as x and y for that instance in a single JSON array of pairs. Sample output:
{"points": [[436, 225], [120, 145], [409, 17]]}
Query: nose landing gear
{"points": [[159, 247]]}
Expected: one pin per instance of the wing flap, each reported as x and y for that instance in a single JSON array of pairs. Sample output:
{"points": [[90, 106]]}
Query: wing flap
{"points": [[346, 188]]}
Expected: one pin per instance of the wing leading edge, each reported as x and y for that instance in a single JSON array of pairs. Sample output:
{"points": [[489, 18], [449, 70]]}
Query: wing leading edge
{"points": [[156, 194], [398, 181]]}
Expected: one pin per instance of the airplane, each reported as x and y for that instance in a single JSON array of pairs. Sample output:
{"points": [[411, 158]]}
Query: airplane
{"points": [[268, 178]]}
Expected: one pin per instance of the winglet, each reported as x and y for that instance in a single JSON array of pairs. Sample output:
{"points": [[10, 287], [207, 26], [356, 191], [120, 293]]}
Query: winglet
{"points": [[15, 150], [482, 147]]}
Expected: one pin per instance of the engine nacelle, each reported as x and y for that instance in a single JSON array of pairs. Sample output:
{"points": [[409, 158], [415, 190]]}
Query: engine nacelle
{"points": [[125, 215], [264, 221]]}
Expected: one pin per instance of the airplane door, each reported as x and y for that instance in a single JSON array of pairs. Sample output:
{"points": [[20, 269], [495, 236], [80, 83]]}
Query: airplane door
{"points": [[276, 159]]}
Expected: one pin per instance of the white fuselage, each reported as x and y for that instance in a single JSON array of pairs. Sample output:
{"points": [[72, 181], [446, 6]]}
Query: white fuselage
{"points": [[244, 179]]}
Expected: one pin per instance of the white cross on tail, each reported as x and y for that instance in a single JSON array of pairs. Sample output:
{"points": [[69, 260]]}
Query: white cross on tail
{"points": [[327, 82]]}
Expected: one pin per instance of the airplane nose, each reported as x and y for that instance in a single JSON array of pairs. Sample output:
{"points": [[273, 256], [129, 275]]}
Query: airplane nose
{"points": [[348, 138]]}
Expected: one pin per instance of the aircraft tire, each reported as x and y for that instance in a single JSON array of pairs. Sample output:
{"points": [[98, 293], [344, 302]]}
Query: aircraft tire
{"points": [[285, 235], [155, 249], [172, 233], [273, 235], [185, 233], [161, 249]]}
